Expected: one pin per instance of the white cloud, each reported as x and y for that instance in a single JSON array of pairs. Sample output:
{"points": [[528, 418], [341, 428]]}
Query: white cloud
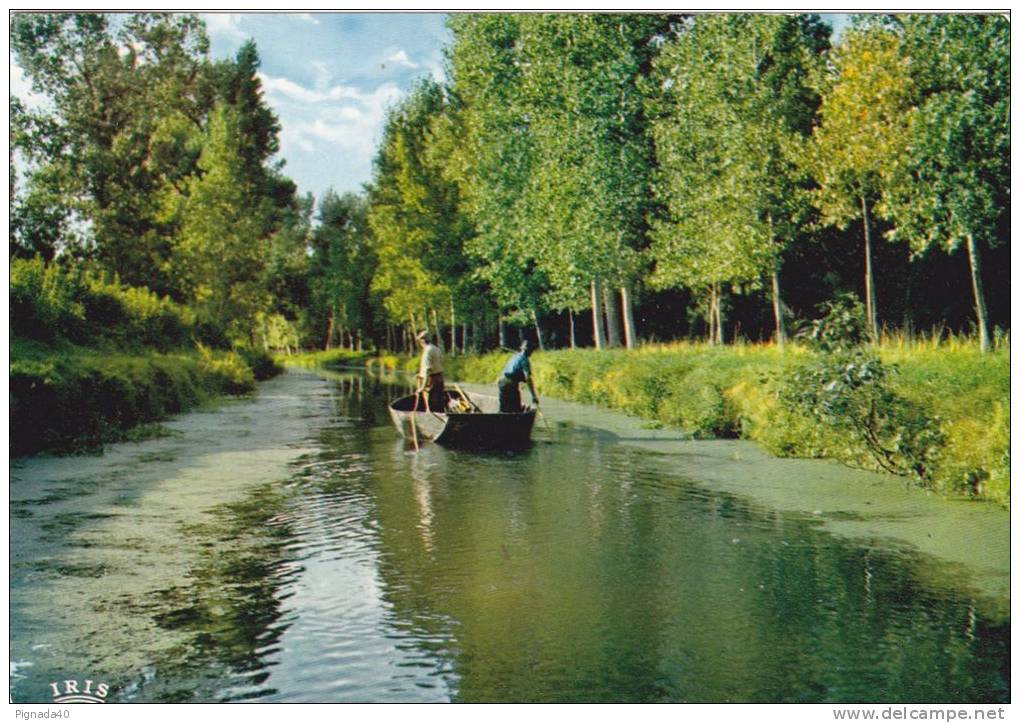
{"points": [[435, 66], [322, 74], [307, 17], [400, 58], [333, 127], [294, 91], [21, 88], [227, 25]]}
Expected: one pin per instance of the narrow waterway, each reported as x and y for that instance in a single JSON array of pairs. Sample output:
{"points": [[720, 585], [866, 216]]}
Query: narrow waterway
{"points": [[291, 547]]}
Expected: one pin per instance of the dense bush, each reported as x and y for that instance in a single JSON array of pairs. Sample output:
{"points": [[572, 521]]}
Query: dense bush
{"points": [[51, 303], [261, 363], [86, 362], [847, 390], [45, 301]]}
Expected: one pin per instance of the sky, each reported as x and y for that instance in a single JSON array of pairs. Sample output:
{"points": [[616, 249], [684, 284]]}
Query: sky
{"points": [[330, 77]]}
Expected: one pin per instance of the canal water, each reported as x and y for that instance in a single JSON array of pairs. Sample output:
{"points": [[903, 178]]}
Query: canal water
{"points": [[292, 548]]}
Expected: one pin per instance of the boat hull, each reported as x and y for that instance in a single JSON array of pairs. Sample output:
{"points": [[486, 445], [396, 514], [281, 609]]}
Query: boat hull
{"points": [[484, 427]]}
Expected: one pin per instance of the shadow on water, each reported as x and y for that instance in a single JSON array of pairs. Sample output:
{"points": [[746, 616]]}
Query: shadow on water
{"points": [[571, 574], [574, 570]]}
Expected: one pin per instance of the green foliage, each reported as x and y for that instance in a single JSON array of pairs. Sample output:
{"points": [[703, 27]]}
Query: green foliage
{"points": [[148, 159], [71, 398], [262, 364], [956, 180], [847, 390], [414, 213], [866, 116], [44, 301], [227, 370], [90, 146], [220, 257], [940, 415], [849, 393], [52, 303], [842, 325], [954, 186], [343, 268], [731, 108]]}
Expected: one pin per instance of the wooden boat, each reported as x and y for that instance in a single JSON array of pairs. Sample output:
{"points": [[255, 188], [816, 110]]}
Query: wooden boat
{"points": [[483, 426]]}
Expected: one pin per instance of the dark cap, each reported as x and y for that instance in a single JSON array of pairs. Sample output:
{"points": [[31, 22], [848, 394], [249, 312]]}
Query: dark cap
{"points": [[423, 335]]}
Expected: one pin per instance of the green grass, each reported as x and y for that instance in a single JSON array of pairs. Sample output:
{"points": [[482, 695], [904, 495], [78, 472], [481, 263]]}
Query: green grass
{"points": [[67, 398], [732, 392]]}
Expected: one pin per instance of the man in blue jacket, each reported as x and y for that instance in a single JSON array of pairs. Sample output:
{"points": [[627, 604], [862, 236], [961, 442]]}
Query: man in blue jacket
{"points": [[517, 370]]}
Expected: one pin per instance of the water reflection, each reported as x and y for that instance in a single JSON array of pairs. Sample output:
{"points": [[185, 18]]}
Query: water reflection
{"points": [[575, 570]]}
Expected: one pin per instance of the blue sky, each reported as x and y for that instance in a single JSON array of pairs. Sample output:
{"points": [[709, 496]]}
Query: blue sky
{"points": [[330, 77]]}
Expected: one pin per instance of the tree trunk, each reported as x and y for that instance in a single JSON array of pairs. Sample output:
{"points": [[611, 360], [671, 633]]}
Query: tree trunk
{"points": [[596, 313], [777, 298], [502, 333], [453, 329], [612, 316], [573, 340], [475, 345], [438, 332], [538, 330], [629, 328], [979, 293], [464, 338], [777, 308], [720, 338], [869, 277], [330, 329], [711, 315]]}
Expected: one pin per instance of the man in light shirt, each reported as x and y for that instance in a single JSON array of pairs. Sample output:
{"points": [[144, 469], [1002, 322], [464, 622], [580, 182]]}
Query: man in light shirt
{"points": [[430, 374]]}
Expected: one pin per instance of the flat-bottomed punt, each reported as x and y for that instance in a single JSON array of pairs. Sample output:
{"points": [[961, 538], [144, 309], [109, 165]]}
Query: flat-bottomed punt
{"points": [[483, 427]]}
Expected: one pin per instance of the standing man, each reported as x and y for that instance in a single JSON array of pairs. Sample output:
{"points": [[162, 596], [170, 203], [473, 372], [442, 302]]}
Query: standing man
{"points": [[517, 370], [430, 374]]}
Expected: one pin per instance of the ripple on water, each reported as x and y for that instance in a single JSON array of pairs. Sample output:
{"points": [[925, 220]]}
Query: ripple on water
{"points": [[577, 570]]}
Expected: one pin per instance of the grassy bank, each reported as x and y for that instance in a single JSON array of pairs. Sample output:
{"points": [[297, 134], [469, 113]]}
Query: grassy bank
{"points": [[343, 358], [66, 398], [93, 360], [735, 391]]}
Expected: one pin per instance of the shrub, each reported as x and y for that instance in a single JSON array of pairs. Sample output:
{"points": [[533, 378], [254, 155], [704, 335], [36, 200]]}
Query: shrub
{"points": [[45, 301], [53, 304], [227, 370], [847, 391], [261, 363]]}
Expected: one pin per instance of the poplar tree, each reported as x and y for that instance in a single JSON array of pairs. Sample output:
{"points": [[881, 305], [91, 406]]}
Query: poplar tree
{"points": [[861, 142], [953, 191]]}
